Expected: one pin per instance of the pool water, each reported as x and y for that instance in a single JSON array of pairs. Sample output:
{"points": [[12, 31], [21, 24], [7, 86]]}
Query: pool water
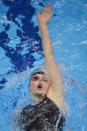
{"points": [[21, 52]]}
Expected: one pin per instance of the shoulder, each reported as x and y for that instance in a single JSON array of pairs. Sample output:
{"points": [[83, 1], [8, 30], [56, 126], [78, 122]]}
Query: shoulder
{"points": [[26, 109], [24, 113], [58, 100]]}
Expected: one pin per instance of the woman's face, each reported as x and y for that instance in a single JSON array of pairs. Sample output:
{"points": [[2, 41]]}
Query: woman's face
{"points": [[40, 84]]}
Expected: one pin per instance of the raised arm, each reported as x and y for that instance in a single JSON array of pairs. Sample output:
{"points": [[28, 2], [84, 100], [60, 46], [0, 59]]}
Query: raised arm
{"points": [[52, 67]]}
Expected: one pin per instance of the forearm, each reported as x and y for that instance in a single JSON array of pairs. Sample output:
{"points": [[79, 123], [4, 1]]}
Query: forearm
{"points": [[46, 43]]}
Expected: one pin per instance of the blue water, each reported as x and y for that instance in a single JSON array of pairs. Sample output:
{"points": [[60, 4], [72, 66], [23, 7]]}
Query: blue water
{"points": [[21, 52]]}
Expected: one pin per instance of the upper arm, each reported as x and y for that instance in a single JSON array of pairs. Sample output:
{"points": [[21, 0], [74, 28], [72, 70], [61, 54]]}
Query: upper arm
{"points": [[56, 90], [56, 78]]}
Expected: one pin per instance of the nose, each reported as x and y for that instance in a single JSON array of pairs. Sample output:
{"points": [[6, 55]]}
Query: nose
{"points": [[40, 81]]}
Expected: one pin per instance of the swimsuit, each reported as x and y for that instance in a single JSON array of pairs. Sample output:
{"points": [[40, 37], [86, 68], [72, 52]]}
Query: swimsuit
{"points": [[44, 116]]}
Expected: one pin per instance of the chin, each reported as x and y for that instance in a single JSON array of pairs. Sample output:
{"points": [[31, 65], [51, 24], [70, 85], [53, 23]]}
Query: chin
{"points": [[40, 95]]}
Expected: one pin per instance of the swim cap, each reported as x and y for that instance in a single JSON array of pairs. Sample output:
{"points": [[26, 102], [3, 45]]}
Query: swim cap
{"points": [[37, 71]]}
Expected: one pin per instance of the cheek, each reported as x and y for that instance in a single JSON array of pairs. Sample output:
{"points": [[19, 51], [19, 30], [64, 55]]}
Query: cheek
{"points": [[46, 87], [33, 85]]}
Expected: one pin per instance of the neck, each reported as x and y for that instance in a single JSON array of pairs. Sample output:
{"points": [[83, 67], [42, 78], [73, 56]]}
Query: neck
{"points": [[38, 98]]}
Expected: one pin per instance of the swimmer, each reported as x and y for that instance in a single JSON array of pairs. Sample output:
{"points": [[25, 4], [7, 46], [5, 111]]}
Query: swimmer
{"points": [[46, 86]]}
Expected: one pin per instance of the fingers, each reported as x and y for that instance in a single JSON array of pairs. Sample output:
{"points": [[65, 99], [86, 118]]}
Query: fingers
{"points": [[38, 13], [46, 15], [47, 9]]}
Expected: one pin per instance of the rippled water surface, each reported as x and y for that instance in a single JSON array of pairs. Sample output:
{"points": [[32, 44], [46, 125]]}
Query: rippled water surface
{"points": [[21, 52]]}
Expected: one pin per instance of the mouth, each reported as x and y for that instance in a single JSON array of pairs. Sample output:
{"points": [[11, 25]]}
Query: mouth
{"points": [[39, 87]]}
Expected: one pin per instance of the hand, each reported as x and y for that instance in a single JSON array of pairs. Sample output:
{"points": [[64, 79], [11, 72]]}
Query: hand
{"points": [[45, 16]]}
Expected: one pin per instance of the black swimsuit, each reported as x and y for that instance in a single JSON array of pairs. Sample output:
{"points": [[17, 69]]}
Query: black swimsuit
{"points": [[44, 116]]}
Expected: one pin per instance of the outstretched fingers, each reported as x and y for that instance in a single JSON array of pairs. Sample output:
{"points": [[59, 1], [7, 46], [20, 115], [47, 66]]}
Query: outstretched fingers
{"points": [[47, 10], [46, 15], [38, 14]]}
